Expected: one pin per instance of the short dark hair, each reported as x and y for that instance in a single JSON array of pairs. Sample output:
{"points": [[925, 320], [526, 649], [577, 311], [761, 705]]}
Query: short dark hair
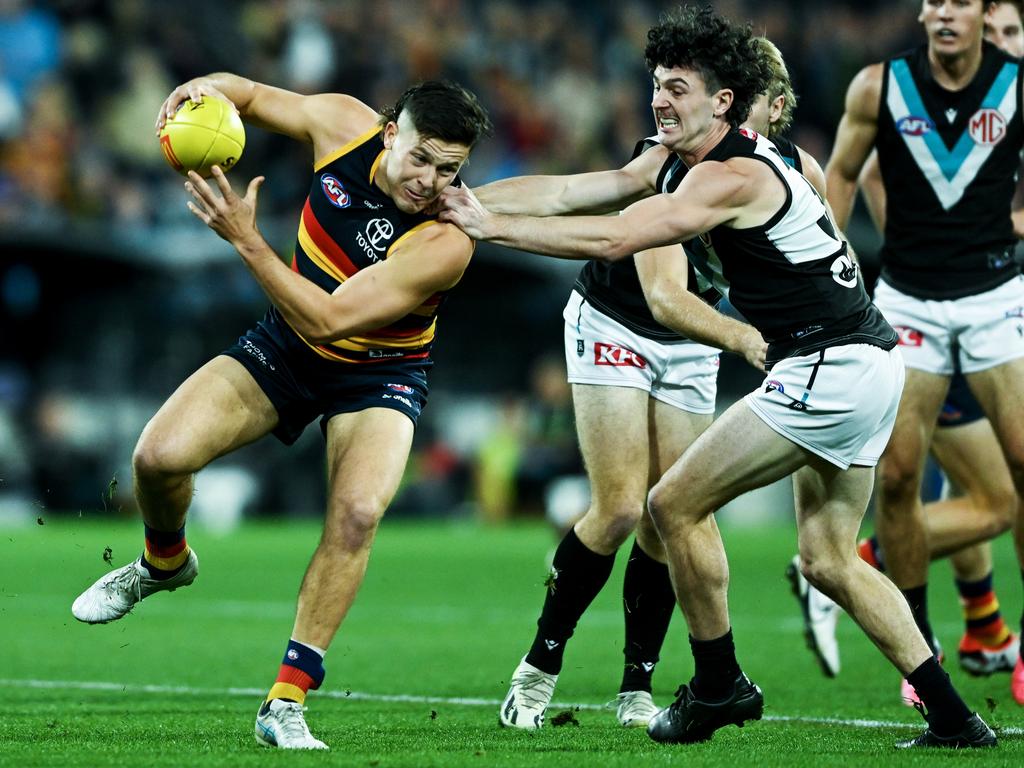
{"points": [[441, 109], [722, 52]]}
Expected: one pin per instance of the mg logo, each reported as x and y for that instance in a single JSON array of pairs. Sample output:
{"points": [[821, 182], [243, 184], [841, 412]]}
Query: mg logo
{"points": [[379, 231], [612, 354], [987, 127], [909, 337]]}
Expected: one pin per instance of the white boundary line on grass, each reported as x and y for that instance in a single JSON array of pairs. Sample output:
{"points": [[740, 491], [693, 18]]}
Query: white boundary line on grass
{"points": [[404, 698]]}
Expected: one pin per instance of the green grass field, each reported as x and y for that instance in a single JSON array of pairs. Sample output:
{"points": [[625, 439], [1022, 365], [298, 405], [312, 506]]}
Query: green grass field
{"points": [[417, 672]]}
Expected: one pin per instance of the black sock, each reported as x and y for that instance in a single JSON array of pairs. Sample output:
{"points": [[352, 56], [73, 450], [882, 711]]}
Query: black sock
{"points": [[715, 668], [947, 712], [578, 574], [648, 601], [917, 597]]}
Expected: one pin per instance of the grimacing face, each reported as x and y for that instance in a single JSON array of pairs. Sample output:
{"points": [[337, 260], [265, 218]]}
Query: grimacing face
{"points": [[683, 109], [1003, 28], [416, 169]]}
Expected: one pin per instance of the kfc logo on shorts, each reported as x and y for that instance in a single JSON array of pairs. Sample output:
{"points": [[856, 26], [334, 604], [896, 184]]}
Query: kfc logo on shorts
{"points": [[987, 127], [914, 126], [335, 192], [612, 354], [400, 388], [909, 337]]}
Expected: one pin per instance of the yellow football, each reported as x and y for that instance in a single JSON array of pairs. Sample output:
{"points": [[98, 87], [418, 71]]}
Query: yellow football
{"points": [[201, 135]]}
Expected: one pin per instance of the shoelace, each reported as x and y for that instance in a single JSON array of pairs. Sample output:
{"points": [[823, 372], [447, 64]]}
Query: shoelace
{"points": [[293, 724], [535, 688], [128, 580]]}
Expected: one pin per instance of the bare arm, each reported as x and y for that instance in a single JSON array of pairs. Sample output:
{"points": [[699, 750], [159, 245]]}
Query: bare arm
{"points": [[431, 260], [326, 120], [663, 278], [873, 190], [597, 192], [712, 193], [854, 140]]}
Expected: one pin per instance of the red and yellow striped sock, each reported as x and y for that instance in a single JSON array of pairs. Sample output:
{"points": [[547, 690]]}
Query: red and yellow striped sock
{"points": [[166, 552], [980, 608], [301, 669]]}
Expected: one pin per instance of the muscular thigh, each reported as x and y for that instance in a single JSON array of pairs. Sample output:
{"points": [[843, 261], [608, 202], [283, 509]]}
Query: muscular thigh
{"points": [[970, 456], [673, 430], [830, 504], [215, 410], [612, 424], [1000, 390], [737, 453], [920, 403], [366, 456]]}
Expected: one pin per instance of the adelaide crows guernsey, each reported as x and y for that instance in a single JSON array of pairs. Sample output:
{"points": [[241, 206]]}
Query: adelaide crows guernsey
{"points": [[949, 162], [348, 223], [791, 277], [614, 287]]}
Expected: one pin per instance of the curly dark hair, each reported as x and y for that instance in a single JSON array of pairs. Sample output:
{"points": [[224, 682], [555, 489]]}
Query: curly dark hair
{"points": [[441, 109], [722, 52]]}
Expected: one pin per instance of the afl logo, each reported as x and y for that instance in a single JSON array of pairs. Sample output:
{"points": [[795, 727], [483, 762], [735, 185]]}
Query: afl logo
{"points": [[335, 192], [914, 126], [987, 127]]}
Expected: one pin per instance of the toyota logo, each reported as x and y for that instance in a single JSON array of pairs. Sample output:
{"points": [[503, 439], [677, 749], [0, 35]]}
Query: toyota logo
{"points": [[378, 232]]}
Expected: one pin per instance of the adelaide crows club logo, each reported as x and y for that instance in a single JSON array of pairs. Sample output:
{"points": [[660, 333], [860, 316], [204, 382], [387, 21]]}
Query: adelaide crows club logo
{"points": [[334, 191]]}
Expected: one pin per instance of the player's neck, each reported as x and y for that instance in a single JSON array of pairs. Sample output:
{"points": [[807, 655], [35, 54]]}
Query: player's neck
{"points": [[710, 140], [955, 72]]}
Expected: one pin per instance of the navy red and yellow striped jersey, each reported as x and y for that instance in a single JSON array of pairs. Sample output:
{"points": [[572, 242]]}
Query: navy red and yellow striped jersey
{"points": [[348, 223]]}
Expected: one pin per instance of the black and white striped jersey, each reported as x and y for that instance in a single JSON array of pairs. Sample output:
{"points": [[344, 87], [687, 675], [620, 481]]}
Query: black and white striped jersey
{"points": [[614, 288], [791, 277]]}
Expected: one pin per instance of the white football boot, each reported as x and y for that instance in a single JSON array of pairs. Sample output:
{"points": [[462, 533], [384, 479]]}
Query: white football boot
{"points": [[281, 724], [820, 614], [635, 709], [115, 594], [528, 698]]}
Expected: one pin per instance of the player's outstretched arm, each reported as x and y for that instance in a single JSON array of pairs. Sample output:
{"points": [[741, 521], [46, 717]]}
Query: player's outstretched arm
{"points": [[431, 259], [711, 194], [596, 192], [662, 273], [854, 140], [326, 120]]}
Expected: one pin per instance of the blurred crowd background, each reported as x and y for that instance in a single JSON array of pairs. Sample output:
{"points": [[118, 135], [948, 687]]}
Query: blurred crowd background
{"points": [[111, 293]]}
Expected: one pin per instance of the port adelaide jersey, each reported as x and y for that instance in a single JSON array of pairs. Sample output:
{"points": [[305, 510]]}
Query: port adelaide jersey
{"points": [[614, 287], [949, 162], [348, 223], [791, 277]]}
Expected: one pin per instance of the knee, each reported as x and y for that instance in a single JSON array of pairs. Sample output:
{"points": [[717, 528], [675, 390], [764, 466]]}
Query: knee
{"points": [[1001, 507], [822, 571], [356, 525], [157, 459], [614, 522], [898, 480]]}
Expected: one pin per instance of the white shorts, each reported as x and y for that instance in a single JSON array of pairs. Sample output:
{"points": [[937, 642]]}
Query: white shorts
{"points": [[602, 351], [839, 403], [987, 327]]}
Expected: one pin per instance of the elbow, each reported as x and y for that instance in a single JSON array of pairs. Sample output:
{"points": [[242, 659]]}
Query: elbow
{"points": [[611, 249], [660, 307]]}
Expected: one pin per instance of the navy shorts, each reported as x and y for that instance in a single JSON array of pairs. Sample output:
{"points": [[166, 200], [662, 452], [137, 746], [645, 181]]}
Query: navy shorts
{"points": [[302, 385], [961, 406]]}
